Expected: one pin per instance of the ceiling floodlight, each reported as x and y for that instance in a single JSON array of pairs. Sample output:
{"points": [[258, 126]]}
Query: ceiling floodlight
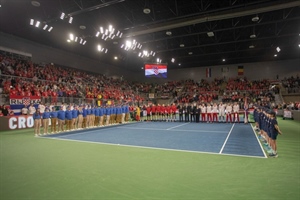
{"points": [[50, 29], [253, 36], [118, 33], [71, 36], [190, 53], [255, 19], [251, 46], [275, 55], [110, 28], [173, 60], [99, 48], [278, 49], [97, 34], [81, 40], [62, 16], [106, 51], [146, 10], [181, 45], [71, 20], [68, 40], [37, 24], [106, 32], [121, 35], [223, 60], [101, 30], [76, 38], [82, 27], [45, 27], [210, 34], [169, 33], [35, 3], [84, 42], [31, 22], [128, 44]]}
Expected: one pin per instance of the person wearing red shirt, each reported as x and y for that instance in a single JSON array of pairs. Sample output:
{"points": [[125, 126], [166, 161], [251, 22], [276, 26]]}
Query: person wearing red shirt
{"points": [[163, 112], [148, 109], [174, 109], [12, 91], [54, 97], [45, 96], [158, 112], [23, 93]]}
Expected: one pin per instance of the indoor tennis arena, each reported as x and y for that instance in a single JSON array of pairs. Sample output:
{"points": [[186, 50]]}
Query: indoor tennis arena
{"points": [[149, 99]]}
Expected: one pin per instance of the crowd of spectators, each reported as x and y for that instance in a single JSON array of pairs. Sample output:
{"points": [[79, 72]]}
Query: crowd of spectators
{"points": [[50, 82], [292, 84]]}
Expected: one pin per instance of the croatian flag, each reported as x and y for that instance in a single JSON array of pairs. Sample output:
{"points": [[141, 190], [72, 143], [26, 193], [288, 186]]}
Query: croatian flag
{"points": [[18, 102], [208, 72], [156, 70]]}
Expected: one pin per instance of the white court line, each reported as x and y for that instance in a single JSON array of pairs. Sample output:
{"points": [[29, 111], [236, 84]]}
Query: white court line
{"points": [[152, 148], [262, 148], [156, 129], [226, 139], [178, 126]]}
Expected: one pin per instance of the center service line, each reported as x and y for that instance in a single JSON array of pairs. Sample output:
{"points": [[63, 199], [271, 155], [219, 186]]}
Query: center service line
{"points": [[177, 126], [226, 139]]}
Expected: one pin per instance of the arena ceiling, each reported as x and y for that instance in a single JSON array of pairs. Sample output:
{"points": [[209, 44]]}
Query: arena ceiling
{"points": [[195, 33]]}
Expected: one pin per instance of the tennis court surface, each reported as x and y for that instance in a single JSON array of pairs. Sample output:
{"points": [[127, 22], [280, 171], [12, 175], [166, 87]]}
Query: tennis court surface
{"points": [[222, 138]]}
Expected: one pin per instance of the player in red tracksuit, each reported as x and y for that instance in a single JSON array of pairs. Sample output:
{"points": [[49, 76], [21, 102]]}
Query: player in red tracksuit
{"points": [[148, 109], [162, 111], [158, 112]]}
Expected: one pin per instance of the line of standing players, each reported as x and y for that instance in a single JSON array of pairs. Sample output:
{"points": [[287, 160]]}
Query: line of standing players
{"points": [[267, 127], [76, 117], [192, 112]]}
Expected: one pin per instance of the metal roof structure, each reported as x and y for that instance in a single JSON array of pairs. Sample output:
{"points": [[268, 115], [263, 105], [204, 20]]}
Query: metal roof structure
{"points": [[195, 33]]}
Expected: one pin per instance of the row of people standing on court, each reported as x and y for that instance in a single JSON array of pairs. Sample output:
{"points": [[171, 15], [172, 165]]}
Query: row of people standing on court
{"points": [[210, 112], [78, 117]]}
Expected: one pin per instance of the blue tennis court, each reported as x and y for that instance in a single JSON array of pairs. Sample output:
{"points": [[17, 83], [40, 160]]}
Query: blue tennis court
{"points": [[229, 139]]}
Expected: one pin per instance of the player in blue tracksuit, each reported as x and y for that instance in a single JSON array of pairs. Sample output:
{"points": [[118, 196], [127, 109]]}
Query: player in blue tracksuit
{"points": [[46, 117], [88, 117], [61, 119], [127, 113], [37, 116], [123, 113], [96, 122], [274, 130], [53, 116], [84, 116], [74, 118], [101, 115], [119, 114], [69, 117], [108, 112]]}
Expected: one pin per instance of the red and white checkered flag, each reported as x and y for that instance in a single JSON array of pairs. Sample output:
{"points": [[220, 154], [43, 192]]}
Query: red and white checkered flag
{"points": [[26, 101]]}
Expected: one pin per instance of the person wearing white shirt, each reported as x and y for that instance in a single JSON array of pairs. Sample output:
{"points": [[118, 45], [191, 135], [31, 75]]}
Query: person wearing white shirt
{"points": [[222, 112], [236, 109], [228, 112], [31, 109], [209, 113], [203, 113], [42, 108], [24, 110], [215, 112]]}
